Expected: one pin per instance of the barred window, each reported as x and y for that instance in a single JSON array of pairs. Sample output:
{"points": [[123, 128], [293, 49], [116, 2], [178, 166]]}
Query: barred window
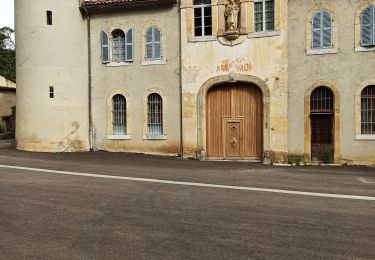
{"points": [[321, 101], [118, 46], [322, 30], [264, 15], [155, 114], [368, 26], [202, 18], [153, 44], [368, 110], [119, 115]]}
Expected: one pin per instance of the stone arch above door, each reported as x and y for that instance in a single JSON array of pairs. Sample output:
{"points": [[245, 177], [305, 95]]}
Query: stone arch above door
{"points": [[231, 78]]}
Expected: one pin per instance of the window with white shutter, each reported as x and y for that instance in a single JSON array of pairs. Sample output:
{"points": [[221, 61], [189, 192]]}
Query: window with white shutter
{"points": [[129, 45], [322, 30], [118, 46], [105, 47], [153, 44], [368, 26]]}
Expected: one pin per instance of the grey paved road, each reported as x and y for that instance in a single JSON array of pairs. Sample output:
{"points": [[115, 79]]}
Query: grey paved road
{"points": [[45, 215]]}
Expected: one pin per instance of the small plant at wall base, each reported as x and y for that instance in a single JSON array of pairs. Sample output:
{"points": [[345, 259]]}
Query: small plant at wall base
{"points": [[295, 159]]}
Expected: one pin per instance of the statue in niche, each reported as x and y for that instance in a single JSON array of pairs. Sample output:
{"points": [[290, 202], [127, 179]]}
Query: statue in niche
{"points": [[231, 13]]}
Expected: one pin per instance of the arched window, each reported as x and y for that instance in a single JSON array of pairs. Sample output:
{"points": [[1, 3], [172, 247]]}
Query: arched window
{"points": [[119, 115], [155, 114], [264, 15], [118, 46], [153, 44], [321, 101], [368, 110], [202, 18], [368, 26], [322, 30]]}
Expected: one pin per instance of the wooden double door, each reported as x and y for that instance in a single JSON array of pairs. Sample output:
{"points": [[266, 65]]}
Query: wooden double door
{"points": [[234, 122]]}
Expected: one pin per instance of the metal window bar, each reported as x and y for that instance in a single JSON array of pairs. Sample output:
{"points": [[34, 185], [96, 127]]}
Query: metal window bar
{"points": [[321, 101], [155, 114], [202, 18], [119, 115], [368, 110]]}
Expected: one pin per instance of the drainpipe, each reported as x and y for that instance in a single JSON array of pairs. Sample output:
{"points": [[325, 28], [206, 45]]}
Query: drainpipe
{"points": [[89, 77], [180, 80]]}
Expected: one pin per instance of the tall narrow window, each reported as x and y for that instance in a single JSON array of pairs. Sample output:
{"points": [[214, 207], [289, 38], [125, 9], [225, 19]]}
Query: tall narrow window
{"points": [[105, 47], [155, 114], [264, 15], [202, 18], [322, 30], [368, 110], [119, 115], [129, 45], [118, 46], [153, 44], [368, 26], [49, 17]]}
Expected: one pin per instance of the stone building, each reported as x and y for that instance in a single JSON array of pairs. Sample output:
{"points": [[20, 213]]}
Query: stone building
{"points": [[100, 75], [7, 105], [331, 79], [261, 80]]}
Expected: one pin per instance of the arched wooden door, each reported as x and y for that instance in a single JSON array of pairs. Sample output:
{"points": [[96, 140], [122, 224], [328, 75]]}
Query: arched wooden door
{"points": [[234, 122]]}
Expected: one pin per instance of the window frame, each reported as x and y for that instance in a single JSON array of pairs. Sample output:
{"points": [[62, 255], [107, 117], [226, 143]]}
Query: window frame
{"points": [[153, 43], [372, 24], [264, 20], [119, 111], [107, 48], [202, 7], [369, 111], [321, 30], [156, 122]]}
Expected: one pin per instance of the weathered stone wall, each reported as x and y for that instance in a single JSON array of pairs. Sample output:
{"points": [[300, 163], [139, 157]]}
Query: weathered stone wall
{"points": [[51, 55], [259, 58], [346, 69], [136, 80]]}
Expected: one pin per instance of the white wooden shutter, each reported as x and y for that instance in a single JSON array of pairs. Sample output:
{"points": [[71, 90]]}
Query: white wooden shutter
{"points": [[316, 31], [368, 26], [157, 43], [149, 50], [129, 45], [105, 47], [326, 30]]}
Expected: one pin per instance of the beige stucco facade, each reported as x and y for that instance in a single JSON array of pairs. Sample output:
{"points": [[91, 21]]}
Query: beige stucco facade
{"points": [[136, 80], [255, 57], [346, 69]]}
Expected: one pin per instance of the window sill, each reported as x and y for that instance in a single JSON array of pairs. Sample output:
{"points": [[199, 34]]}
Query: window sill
{"points": [[202, 38], [155, 137], [321, 51], [263, 34], [117, 64], [154, 62], [364, 49], [119, 137], [365, 137]]}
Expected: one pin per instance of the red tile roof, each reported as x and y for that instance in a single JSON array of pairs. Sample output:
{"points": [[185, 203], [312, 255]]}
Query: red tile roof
{"points": [[91, 3]]}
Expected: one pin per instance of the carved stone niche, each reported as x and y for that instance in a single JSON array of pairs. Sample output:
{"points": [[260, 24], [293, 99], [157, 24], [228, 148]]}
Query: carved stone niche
{"points": [[229, 23]]}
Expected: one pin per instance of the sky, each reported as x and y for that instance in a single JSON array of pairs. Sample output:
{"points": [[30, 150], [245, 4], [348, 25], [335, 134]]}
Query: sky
{"points": [[7, 13]]}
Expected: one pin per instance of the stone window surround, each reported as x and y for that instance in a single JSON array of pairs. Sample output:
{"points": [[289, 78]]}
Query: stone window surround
{"points": [[335, 31], [147, 136], [307, 124], [218, 22], [125, 29], [357, 105], [163, 60], [110, 135], [357, 27]]}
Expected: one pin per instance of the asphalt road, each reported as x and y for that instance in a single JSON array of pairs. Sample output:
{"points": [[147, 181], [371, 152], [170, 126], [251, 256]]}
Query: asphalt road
{"points": [[52, 215]]}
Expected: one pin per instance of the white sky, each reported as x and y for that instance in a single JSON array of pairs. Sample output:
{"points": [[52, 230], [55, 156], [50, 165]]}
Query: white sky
{"points": [[7, 13]]}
